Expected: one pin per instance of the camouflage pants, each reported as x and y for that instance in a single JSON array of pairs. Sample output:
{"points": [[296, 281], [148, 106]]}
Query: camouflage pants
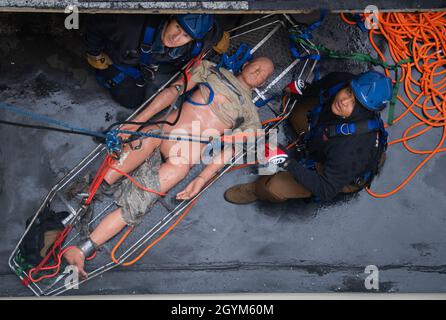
{"points": [[134, 201]]}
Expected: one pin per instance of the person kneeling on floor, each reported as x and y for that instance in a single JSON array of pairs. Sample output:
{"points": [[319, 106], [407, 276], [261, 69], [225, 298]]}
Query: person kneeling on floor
{"points": [[342, 144]]}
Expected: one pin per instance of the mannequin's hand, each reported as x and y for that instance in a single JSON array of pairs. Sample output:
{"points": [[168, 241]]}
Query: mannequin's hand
{"points": [[75, 257], [192, 189]]}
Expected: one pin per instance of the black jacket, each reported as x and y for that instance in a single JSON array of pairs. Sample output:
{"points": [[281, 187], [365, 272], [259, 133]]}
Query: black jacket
{"points": [[121, 36], [344, 158]]}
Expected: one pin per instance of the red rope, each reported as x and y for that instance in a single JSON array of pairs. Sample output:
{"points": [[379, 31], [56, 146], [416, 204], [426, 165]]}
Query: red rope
{"points": [[56, 251]]}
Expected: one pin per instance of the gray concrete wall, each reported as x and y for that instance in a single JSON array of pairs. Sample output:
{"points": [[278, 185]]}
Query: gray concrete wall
{"points": [[216, 6]]}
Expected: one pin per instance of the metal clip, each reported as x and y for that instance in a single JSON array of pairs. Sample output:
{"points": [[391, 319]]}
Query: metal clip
{"points": [[345, 129], [144, 50]]}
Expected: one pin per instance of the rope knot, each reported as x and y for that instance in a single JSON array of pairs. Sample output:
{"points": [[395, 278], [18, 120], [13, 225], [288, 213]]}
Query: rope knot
{"points": [[113, 143]]}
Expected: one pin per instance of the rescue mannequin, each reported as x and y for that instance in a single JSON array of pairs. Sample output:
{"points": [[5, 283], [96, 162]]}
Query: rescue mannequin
{"points": [[231, 108]]}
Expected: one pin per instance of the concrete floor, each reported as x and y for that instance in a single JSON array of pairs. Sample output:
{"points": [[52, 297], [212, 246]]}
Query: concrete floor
{"points": [[219, 247]]}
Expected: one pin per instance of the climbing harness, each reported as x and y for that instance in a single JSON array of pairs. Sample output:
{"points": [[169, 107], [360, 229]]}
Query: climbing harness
{"points": [[340, 130], [148, 65]]}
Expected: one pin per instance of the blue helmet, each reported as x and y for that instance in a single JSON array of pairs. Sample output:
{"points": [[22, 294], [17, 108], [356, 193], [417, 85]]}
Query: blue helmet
{"points": [[196, 25], [372, 89]]}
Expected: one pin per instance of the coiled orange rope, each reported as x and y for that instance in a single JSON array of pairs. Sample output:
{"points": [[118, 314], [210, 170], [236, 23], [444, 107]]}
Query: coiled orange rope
{"points": [[421, 36]]}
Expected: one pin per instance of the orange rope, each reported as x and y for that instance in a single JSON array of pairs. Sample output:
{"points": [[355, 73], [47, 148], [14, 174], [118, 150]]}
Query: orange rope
{"points": [[344, 18], [421, 36], [110, 166], [271, 120], [129, 230]]}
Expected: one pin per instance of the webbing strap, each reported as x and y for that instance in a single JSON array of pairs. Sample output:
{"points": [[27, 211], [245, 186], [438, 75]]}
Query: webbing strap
{"points": [[237, 60], [197, 49], [210, 99], [146, 47], [124, 72], [346, 129], [360, 22]]}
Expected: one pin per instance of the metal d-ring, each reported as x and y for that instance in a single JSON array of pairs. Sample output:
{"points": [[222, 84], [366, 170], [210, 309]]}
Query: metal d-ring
{"points": [[343, 131]]}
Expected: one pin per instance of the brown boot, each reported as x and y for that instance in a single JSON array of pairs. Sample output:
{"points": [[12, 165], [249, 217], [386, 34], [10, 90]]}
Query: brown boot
{"points": [[241, 194]]}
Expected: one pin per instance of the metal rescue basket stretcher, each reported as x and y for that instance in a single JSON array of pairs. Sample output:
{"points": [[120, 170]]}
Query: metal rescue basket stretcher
{"points": [[267, 36]]}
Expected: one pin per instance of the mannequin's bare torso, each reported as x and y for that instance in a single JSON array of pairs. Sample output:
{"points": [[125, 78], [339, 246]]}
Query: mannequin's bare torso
{"points": [[179, 155], [194, 120]]}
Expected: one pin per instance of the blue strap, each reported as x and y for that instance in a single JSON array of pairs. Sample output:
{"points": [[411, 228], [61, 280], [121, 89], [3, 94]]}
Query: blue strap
{"points": [[318, 23], [146, 53], [149, 35], [197, 49], [383, 133], [308, 163], [211, 95], [317, 73], [260, 103], [346, 129], [46, 119], [306, 34], [367, 175], [373, 124], [130, 71], [126, 71], [297, 55], [237, 60], [313, 114], [359, 22]]}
